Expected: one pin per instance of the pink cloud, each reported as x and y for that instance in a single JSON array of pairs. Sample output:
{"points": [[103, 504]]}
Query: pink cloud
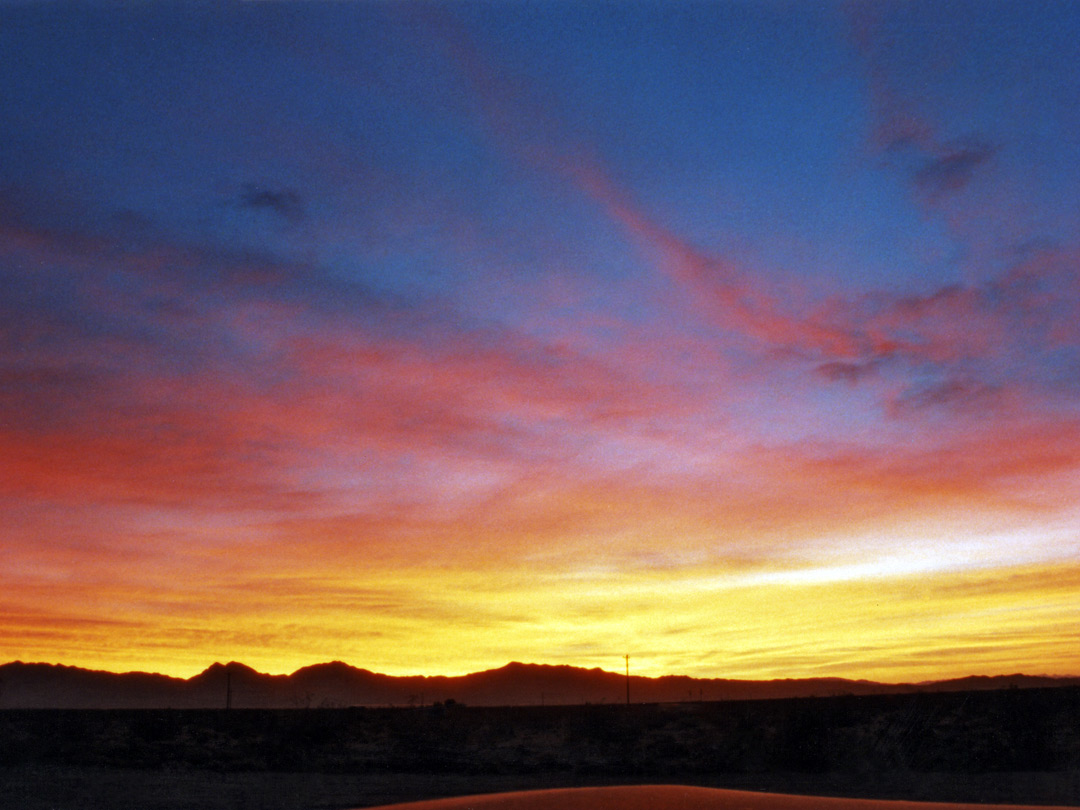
{"points": [[270, 389], [836, 331]]}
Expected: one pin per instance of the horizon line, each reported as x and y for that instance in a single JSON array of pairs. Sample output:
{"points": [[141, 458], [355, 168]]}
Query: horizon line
{"points": [[534, 664]]}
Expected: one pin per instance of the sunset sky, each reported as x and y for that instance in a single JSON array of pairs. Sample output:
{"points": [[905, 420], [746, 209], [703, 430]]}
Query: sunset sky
{"points": [[739, 337]]}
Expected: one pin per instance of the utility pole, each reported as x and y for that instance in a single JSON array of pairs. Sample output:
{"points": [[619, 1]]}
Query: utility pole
{"points": [[627, 657], [228, 690]]}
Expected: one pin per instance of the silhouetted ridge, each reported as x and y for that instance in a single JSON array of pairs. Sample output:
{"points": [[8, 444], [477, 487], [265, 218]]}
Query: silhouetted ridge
{"points": [[335, 684]]}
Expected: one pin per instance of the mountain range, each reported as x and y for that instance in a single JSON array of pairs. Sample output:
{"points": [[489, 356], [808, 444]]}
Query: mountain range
{"points": [[337, 684]]}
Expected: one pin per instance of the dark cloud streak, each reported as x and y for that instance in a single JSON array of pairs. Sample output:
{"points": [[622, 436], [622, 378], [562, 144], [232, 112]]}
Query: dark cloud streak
{"points": [[284, 202], [952, 169]]}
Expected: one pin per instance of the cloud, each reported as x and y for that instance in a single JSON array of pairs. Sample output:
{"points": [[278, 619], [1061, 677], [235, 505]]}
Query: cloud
{"points": [[936, 363], [1011, 457], [285, 203], [903, 124], [951, 169], [954, 394], [214, 379], [1000, 325], [840, 335], [846, 372], [254, 399]]}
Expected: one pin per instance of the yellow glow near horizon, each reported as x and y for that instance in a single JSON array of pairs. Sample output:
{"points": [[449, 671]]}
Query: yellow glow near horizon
{"points": [[576, 575], [910, 627]]}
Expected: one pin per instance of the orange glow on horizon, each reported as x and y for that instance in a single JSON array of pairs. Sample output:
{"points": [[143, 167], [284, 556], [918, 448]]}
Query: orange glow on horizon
{"points": [[750, 623]]}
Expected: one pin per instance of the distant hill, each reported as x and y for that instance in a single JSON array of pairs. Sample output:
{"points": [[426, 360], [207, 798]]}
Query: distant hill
{"points": [[338, 684]]}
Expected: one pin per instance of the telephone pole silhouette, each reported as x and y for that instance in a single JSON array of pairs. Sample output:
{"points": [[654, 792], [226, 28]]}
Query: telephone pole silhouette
{"points": [[627, 657]]}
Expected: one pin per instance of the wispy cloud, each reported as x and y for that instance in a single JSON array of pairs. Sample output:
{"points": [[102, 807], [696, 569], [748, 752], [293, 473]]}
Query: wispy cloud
{"points": [[282, 202], [951, 170]]}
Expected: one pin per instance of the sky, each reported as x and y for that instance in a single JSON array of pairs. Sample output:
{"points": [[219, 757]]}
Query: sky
{"points": [[741, 337]]}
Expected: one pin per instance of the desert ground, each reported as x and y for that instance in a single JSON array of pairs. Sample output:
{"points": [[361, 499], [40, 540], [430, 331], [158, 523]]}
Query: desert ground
{"points": [[670, 797], [1011, 747]]}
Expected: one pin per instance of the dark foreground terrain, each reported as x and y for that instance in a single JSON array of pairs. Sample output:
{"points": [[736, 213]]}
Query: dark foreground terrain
{"points": [[1011, 746]]}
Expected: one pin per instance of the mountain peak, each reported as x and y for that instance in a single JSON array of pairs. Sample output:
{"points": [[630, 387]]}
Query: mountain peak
{"points": [[233, 668], [336, 668]]}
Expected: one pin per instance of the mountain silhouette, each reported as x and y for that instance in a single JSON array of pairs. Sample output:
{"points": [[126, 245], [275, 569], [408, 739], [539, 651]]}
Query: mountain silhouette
{"points": [[337, 684]]}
